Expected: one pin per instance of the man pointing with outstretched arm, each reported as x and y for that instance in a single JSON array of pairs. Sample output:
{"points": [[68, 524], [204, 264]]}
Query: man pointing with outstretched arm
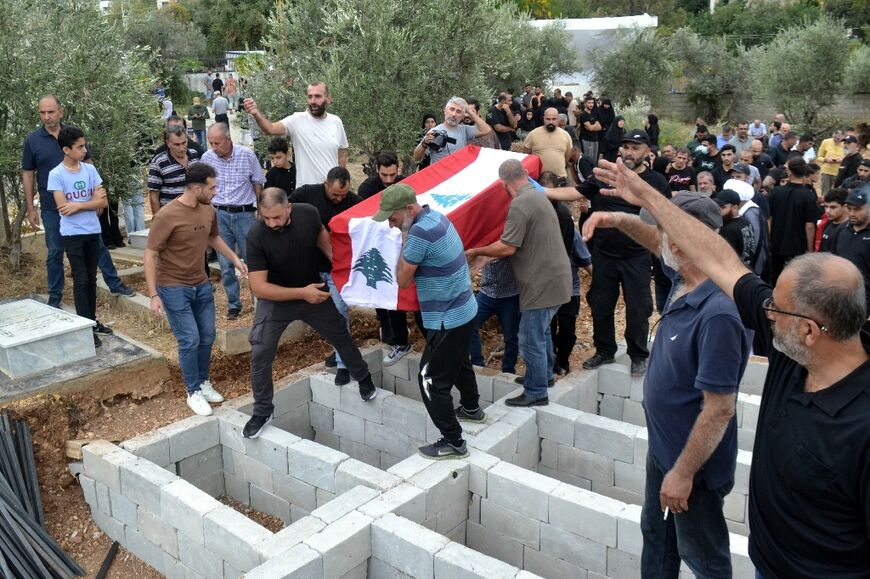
{"points": [[809, 489]]}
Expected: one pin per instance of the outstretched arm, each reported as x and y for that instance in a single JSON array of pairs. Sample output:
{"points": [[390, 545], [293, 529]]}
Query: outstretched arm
{"points": [[707, 250], [265, 124], [631, 225]]}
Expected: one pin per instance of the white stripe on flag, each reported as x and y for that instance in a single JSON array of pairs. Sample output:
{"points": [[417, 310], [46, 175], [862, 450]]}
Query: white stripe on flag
{"points": [[372, 281]]}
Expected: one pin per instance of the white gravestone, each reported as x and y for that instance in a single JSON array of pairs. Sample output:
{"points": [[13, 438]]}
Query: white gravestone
{"points": [[35, 337], [139, 239]]}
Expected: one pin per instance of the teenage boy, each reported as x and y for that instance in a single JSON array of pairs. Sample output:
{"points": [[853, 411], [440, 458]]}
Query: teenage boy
{"points": [[79, 194], [282, 174], [836, 215]]}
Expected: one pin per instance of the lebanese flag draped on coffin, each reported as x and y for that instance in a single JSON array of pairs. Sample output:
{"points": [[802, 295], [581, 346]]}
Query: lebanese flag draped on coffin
{"points": [[464, 186]]}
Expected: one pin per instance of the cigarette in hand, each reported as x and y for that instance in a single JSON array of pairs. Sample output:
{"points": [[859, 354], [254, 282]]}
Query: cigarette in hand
{"points": [[667, 511]]}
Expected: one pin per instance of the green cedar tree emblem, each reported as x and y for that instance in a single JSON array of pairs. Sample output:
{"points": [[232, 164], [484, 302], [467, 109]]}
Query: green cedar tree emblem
{"points": [[372, 265]]}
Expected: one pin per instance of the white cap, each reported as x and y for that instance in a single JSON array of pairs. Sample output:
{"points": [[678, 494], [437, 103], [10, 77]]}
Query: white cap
{"points": [[742, 188]]}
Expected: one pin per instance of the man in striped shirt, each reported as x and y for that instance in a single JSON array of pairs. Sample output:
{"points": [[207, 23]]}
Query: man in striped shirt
{"points": [[167, 173], [433, 257]]}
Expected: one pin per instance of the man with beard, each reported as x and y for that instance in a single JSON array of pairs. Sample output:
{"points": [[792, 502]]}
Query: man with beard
{"points": [[552, 144], [501, 119], [452, 134], [286, 248], [723, 172], [590, 128], [760, 159], [808, 484], [852, 241], [319, 140], [861, 176], [830, 155], [779, 153], [680, 176], [851, 160], [618, 261], [708, 157], [741, 140], [736, 230]]}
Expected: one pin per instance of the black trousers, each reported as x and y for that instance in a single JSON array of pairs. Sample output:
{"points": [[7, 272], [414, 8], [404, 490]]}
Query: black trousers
{"points": [[445, 363], [222, 119], [777, 263], [563, 329], [270, 321], [608, 275], [83, 253]]}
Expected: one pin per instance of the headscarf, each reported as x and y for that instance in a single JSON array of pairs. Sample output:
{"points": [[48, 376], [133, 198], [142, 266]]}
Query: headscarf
{"points": [[613, 136], [606, 114], [527, 124], [653, 130]]}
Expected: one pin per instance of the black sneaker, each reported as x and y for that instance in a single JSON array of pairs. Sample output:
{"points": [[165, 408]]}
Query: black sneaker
{"points": [[367, 390], [521, 400], [255, 426], [465, 416], [123, 291], [638, 367], [330, 361], [233, 313], [97, 341], [596, 361], [521, 379], [444, 449], [101, 329], [342, 377], [560, 370]]}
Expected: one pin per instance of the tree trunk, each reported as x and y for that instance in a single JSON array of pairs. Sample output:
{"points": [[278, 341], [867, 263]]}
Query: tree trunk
{"points": [[4, 213]]}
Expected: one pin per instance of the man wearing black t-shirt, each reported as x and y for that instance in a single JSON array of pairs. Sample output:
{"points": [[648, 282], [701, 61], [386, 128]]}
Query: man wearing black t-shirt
{"points": [[736, 230], [808, 484], [331, 198], [852, 239], [794, 211], [590, 129], [680, 176], [386, 173], [501, 119], [836, 216], [760, 159], [282, 173], [709, 160], [779, 153], [618, 261], [722, 173], [285, 250]]}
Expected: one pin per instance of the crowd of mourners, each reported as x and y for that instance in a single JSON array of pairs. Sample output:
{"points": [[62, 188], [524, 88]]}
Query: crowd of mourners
{"points": [[749, 238]]}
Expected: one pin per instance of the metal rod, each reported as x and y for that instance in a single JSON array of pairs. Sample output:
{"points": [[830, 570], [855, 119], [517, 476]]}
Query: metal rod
{"points": [[107, 562]]}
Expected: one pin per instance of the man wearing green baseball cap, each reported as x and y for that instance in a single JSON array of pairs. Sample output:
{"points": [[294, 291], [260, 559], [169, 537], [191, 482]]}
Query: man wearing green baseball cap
{"points": [[433, 256]]}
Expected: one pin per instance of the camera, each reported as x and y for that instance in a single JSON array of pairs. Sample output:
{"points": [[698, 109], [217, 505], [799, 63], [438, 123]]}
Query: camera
{"points": [[440, 139]]}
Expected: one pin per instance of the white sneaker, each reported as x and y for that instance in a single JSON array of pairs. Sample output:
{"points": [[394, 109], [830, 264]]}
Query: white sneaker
{"points": [[210, 393], [395, 354], [199, 404]]}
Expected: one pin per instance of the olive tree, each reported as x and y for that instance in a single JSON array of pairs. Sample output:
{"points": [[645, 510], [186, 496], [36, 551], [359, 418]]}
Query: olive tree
{"points": [[67, 49], [856, 77], [638, 64], [387, 62]]}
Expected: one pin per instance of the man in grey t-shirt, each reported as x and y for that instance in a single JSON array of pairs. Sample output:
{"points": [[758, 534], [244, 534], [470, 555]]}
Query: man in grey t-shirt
{"points": [[451, 135], [532, 240]]}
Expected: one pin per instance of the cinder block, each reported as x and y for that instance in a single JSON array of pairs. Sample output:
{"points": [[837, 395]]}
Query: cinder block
{"points": [[408, 389], [444, 482], [290, 396], [388, 383], [636, 389], [751, 406], [630, 477], [230, 425], [524, 491], [297, 513], [315, 464], [202, 464], [456, 561], [113, 528], [504, 385], [753, 378], [605, 436], [103, 501], [253, 471], [344, 504], [231, 572], [545, 565], [295, 491], [641, 442], [320, 417], [484, 378], [324, 391], [367, 410], [616, 493], [525, 419], [361, 452], [735, 507], [573, 548], [143, 548], [213, 485], [289, 537], [344, 544], [270, 449], [123, 508], [322, 497], [296, 421], [622, 565], [479, 465], [327, 439], [271, 504], [587, 395], [232, 536], [197, 557], [358, 572], [451, 515], [549, 452], [175, 569], [612, 407], [153, 446], [352, 472], [384, 439], [380, 570], [190, 436], [412, 465], [406, 546], [499, 439], [349, 426], [510, 523], [155, 530], [399, 369], [102, 462], [141, 482], [741, 474], [388, 460], [405, 416], [556, 423], [238, 488], [628, 536], [89, 489], [564, 477], [185, 508], [585, 513], [405, 500], [585, 464], [633, 413], [614, 379], [494, 544]]}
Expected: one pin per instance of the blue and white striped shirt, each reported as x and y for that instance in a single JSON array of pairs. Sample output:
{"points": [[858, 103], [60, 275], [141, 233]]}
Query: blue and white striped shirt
{"points": [[236, 176]]}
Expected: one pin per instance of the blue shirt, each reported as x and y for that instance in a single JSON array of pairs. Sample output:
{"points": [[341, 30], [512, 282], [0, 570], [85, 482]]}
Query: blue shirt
{"points": [[77, 187], [42, 153], [580, 257], [701, 345], [443, 282]]}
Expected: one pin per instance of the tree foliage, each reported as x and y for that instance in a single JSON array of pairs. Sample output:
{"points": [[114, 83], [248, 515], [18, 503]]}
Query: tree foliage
{"points": [[387, 62], [638, 66], [69, 50], [856, 77], [801, 70], [752, 23]]}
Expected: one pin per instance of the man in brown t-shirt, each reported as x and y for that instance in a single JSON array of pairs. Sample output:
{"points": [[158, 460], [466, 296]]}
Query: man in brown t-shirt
{"points": [[552, 144], [533, 241], [177, 284]]}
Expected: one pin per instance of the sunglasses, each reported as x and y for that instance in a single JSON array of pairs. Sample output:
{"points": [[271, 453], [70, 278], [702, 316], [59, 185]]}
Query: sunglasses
{"points": [[768, 306]]}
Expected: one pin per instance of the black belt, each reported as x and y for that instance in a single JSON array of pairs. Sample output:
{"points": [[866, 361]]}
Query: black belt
{"points": [[236, 208]]}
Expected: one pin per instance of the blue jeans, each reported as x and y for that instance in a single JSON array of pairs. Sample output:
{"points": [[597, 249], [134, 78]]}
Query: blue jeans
{"points": [[190, 313], [508, 312], [339, 305], [536, 348], [200, 136], [54, 259], [233, 230], [134, 210], [698, 536]]}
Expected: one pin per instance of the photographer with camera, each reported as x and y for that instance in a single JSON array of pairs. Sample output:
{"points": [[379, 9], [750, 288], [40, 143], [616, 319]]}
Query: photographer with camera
{"points": [[451, 135]]}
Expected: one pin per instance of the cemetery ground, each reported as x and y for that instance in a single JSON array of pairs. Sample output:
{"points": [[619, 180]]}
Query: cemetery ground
{"points": [[57, 418]]}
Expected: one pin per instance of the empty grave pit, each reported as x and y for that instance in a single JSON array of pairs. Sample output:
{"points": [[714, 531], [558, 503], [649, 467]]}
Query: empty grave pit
{"points": [[549, 492]]}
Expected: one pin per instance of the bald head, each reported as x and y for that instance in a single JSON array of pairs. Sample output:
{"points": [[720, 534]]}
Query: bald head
{"points": [[271, 197]]}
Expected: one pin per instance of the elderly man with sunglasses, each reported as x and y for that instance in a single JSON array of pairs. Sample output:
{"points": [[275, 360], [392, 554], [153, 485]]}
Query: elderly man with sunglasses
{"points": [[809, 487]]}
